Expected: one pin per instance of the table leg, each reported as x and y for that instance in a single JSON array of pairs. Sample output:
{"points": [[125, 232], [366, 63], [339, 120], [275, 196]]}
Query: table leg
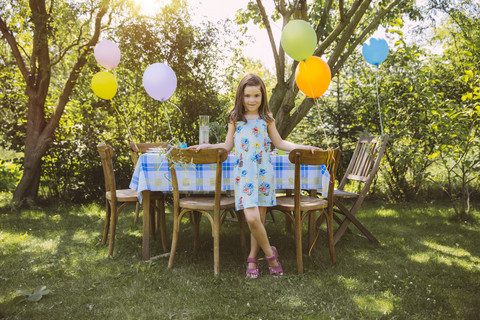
{"points": [[312, 217], [146, 225]]}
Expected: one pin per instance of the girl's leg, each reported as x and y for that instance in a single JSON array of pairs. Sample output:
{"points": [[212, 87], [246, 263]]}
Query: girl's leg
{"points": [[254, 246], [255, 218]]}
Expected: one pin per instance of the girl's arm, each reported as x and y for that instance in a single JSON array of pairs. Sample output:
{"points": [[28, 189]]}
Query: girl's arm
{"points": [[227, 145], [285, 145]]}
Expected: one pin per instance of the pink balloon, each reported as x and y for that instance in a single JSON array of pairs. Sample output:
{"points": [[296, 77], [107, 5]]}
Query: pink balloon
{"points": [[107, 54], [159, 81]]}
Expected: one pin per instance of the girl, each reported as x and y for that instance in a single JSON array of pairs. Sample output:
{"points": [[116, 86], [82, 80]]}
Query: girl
{"points": [[250, 124]]}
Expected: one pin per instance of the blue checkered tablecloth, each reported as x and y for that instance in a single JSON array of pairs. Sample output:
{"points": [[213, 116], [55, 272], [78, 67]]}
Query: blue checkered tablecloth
{"points": [[152, 173]]}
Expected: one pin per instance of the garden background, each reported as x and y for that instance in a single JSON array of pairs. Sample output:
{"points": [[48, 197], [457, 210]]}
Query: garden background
{"points": [[51, 122]]}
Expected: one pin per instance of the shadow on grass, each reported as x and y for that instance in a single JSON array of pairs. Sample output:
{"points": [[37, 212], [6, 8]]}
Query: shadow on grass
{"points": [[425, 267]]}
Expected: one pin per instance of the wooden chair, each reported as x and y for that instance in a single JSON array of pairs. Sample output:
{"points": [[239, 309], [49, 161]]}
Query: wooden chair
{"points": [[306, 206], [363, 167], [137, 148], [116, 199], [200, 205]]}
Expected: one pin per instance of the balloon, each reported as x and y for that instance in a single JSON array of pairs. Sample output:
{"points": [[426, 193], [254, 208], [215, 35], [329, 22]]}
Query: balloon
{"points": [[104, 85], [298, 40], [375, 51], [107, 54], [313, 77], [159, 81]]}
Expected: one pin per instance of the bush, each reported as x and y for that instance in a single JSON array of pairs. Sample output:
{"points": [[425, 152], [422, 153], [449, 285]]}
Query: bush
{"points": [[10, 172]]}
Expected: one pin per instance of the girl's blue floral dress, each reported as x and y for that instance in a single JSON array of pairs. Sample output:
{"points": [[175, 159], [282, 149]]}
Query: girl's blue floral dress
{"points": [[254, 174]]}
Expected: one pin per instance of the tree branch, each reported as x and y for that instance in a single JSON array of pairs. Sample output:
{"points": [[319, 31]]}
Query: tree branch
{"points": [[334, 34], [12, 42], [75, 72], [348, 33], [323, 19], [278, 65]]}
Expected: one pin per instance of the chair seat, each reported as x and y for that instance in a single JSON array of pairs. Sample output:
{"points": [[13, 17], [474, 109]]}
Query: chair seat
{"points": [[345, 194], [287, 203], [124, 195], [130, 195], [206, 203]]}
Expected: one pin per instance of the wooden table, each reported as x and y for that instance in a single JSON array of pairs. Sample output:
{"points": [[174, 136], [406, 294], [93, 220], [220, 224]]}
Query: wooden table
{"points": [[152, 174]]}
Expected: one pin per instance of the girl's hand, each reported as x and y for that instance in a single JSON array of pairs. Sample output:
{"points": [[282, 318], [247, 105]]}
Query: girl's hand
{"points": [[199, 147], [313, 149]]}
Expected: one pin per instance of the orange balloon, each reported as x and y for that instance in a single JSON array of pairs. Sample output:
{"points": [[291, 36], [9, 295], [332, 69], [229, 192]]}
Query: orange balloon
{"points": [[313, 77]]}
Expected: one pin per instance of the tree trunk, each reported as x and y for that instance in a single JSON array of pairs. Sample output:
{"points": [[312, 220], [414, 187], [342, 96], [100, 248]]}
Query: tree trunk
{"points": [[40, 130], [27, 188]]}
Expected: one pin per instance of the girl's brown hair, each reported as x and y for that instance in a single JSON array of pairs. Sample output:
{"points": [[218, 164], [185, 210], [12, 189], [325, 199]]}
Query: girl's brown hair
{"points": [[238, 111]]}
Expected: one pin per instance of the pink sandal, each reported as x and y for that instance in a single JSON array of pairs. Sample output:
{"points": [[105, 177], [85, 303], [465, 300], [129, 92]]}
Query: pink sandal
{"points": [[252, 273], [277, 270]]}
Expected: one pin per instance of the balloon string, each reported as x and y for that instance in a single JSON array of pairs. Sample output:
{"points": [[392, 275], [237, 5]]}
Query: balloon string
{"points": [[124, 118], [175, 106], [378, 100], [124, 121], [168, 121], [318, 110], [321, 122]]}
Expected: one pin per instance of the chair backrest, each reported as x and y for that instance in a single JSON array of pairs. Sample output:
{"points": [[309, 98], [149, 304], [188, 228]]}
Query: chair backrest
{"points": [[106, 154], [365, 161], [138, 147], [329, 158], [204, 156]]}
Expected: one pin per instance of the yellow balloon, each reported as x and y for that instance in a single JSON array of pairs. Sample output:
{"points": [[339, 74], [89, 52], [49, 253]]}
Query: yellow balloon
{"points": [[313, 76], [104, 85]]}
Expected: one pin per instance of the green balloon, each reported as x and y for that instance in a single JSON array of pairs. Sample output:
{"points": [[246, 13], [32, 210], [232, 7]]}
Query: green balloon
{"points": [[299, 40]]}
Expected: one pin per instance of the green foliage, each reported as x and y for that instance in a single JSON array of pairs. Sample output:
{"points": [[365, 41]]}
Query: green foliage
{"points": [[9, 170], [12, 103], [430, 107], [457, 95], [71, 169], [9, 175]]}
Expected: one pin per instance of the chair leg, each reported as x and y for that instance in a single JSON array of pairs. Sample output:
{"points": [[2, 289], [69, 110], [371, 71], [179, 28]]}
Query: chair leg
{"points": [[298, 240], [243, 242], [216, 243], [107, 222], [173, 248], [113, 227], [197, 216], [331, 244], [271, 215], [362, 228], [161, 223], [137, 212], [311, 228], [349, 217], [288, 225]]}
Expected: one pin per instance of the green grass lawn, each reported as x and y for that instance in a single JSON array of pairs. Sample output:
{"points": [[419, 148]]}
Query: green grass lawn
{"points": [[426, 267]]}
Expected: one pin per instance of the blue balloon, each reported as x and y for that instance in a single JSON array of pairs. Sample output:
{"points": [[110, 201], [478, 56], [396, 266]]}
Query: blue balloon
{"points": [[375, 51]]}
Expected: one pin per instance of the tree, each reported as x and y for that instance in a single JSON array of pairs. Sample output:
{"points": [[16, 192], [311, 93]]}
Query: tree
{"points": [[458, 96], [340, 27], [46, 38], [70, 168]]}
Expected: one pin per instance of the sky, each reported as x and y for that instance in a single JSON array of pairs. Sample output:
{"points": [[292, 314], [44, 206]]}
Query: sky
{"points": [[214, 10], [260, 49]]}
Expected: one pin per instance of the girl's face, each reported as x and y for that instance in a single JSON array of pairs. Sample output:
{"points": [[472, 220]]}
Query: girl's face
{"points": [[252, 99]]}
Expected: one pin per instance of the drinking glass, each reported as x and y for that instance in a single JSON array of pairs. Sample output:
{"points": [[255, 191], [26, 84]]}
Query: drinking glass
{"points": [[204, 129]]}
